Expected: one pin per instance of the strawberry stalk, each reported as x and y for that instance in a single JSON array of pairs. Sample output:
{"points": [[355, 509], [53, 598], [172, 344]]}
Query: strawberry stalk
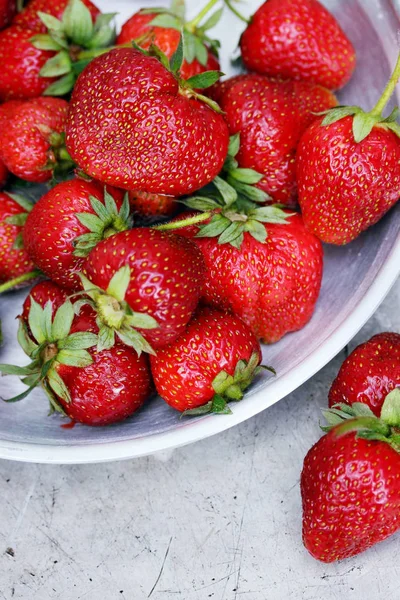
{"points": [[388, 91], [12, 283], [236, 12], [200, 218], [191, 25]]}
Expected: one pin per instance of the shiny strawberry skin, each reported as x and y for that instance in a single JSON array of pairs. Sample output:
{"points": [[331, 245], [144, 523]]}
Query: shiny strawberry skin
{"points": [[213, 341], [270, 116], [272, 286], [350, 491], [344, 186], [152, 205], [42, 292], [298, 39], [13, 262], [166, 39], [25, 149], [21, 63], [28, 18], [159, 141], [52, 227], [167, 275], [369, 373], [7, 12]]}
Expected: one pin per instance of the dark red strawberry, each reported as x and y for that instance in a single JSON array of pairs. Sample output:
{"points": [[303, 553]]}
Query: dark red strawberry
{"points": [[3, 174], [14, 261], [370, 372], [164, 140], [270, 117], [350, 483], [212, 362], [66, 223], [32, 142], [29, 19], [90, 386], [43, 292], [140, 29], [7, 11], [148, 286], [298, 39], [152, 205], [21, 65], [271, 279], [348, 169]]}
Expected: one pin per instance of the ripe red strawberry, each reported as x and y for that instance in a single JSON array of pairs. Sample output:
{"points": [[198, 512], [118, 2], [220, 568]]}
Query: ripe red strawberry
{"points": [[270, 117], [28, 18], [348, 169], [157, 275], [7, 12], [213, 361], [152, 205], [14, 261], [369, 373], [21, 65], [270, 282], [139, 28], [66, 223], [43, 292], [31, 143], [350, 483], [90, 386], [164, 140], [298, 39]]}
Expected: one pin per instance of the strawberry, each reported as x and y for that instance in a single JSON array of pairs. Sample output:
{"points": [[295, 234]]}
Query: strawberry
{"points": [[270, 117], [37, 63], [163, 29], [66, 223], [3, 174], [14, 261], [348, 169], [7, 12], [165, 140], [152, 205], [213, 361], [369, 373], [298, 39], [43, 292], [28, 18], [350, 482], [32, 143], [145, 286], [91, 387]]}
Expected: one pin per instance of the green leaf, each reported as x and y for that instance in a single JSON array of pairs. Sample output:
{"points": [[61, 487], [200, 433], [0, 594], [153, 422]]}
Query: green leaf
{"points": [[215, 227], [20, 396], [92, 222], [390, 412], [104, 34], [78, 341], [62, 321], [36, 321], [47, 326], [106, 338], [15, 370], [213, 20], [234, 144], [201, 203], [395, 127], [232, 232], [204, 80], [24, 339], [109, 203], [125, 211], [18, 220], [393, 115], [200, 410], [60, 87], [189, 47], [60, 64], [177, 58], [51, 22], [18, 242], [166, 20], [133, 338], [337, 113], [362, 125], [119, 283], [77, 22], [141, 321], [74, 358], [99, 209], [271, 214], [57, 384], [103, 20], [90, 288], [248, 176], [178, 8], [257, 230], [227, 192], [43, 41], [235, 242], [361, 410], [201, 51], [22, 201]]}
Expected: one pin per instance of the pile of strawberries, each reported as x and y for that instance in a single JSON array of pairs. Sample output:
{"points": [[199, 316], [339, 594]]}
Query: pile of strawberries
{"points": [[127, 131]]}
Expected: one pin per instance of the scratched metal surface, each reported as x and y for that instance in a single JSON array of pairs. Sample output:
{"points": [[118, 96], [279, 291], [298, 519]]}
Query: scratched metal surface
{"points": [[219, 520], [349, 271]]}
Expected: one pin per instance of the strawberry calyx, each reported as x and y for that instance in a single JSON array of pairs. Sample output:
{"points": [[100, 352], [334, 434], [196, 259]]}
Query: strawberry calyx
{"points": [[70, 37], [106, 221], [58, 158], [49, 343], [114, 315], [230, 205], [363, 122], [230, 387], [19, 219], [358, 418]]}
